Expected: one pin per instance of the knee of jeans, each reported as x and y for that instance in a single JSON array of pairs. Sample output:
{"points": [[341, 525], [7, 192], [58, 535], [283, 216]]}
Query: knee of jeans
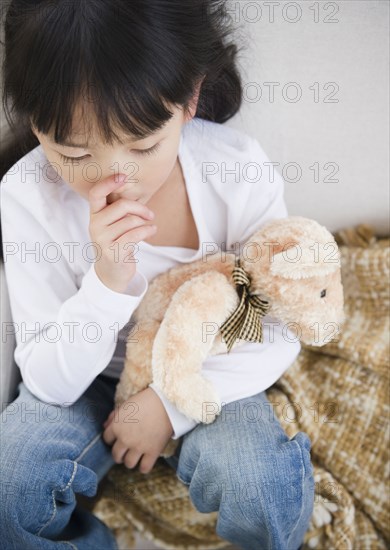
{"points": [[269, 486], [28, 480], [33, 473]]}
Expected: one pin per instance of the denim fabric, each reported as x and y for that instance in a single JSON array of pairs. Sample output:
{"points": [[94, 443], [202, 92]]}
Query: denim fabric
{"points": [[49, 453], [242, 465]]}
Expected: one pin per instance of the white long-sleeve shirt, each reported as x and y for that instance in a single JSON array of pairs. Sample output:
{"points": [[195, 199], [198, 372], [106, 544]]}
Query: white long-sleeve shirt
{"points": [[70, 327]]}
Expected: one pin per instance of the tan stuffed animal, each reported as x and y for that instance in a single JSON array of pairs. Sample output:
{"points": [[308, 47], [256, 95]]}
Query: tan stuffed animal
{"points": [[289, 270]]}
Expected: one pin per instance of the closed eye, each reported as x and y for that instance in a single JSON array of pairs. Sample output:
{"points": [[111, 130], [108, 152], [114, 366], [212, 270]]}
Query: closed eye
{"points": [[72, 159], [149, 151]]}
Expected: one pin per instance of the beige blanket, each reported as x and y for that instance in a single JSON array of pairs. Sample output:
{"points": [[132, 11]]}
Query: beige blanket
{"points": [[338, 394]]}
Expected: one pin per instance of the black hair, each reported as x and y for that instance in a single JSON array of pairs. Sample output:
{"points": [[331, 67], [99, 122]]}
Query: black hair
{"points": [[127, 60]]}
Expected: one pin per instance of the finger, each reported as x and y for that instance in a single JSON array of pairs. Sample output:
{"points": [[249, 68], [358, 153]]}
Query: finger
{"points": [[108, 435], [124, 225], [134, 236], [128, 228], [147, 463], [123, 208], [109, 419], [97, 195], [131, 458], [111, 415], [118, 451]]}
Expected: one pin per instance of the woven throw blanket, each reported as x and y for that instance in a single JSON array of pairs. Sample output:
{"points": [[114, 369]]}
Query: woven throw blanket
{"points": [[338, 394]]}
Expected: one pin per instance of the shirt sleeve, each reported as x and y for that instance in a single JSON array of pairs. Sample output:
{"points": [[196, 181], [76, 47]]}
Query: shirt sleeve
{"points": [[251, 367], [181, 424], [65, 335]]}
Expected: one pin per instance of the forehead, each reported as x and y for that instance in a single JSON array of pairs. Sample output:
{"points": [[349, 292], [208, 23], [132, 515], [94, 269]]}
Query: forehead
{"points": [[86, 133]]}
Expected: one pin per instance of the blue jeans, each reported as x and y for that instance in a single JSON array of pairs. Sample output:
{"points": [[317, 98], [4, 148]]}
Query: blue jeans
{"points": [[242, 465]]}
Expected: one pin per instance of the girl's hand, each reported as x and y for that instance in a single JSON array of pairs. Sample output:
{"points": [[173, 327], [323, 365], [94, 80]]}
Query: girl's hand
{"points": [[115, 228], [139, 428]]}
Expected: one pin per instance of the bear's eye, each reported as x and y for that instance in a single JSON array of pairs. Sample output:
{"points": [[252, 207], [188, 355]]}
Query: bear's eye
{"points": [[323, 293]]}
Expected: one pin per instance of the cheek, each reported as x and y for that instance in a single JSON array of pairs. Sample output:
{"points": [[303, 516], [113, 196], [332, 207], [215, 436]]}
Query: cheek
{"points": [[158, 171], [147, 176], [62, 170], [71, 174], [81, 186], [81, 181]]}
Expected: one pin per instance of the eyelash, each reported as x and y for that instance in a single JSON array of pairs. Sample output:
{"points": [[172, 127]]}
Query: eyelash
{"points": [[71, 159], [149, 151]]}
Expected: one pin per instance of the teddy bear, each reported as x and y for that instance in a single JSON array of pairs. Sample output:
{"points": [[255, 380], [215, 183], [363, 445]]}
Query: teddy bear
{"points": [[289, 270]]}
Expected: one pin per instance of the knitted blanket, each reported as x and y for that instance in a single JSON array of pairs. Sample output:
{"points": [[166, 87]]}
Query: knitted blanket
{"points": [[338, 394]]}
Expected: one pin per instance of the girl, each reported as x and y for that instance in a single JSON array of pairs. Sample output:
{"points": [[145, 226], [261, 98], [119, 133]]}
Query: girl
{"points": [[118, 169]]}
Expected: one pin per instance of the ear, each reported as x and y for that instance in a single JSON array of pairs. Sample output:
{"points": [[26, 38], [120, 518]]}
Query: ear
{"points": [[194, 100], [305, 264]]}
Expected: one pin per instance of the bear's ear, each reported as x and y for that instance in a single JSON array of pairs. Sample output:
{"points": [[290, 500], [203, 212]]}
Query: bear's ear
{"points": [[295, 260]]}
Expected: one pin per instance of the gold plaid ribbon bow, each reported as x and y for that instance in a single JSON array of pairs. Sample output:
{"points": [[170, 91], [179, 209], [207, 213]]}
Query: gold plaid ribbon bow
{"points": [[245, 322]]}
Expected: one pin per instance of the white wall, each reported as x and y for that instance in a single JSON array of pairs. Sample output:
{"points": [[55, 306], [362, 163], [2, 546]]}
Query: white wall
{"points": [[353, 132]]}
